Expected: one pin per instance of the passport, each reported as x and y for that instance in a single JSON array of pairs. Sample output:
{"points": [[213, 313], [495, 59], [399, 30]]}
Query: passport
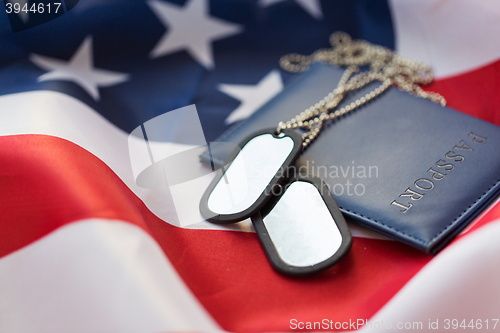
{"points": [[401, 165]]}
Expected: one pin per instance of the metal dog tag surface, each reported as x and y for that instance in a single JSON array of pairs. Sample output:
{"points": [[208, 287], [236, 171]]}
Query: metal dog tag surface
{"points": [[242, 189], [302, 229]]}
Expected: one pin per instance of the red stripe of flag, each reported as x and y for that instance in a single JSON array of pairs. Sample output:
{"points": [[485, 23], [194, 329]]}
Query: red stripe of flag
{"points": [[48, 182]]}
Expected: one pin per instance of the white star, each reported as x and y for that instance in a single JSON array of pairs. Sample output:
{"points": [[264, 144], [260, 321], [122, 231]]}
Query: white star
{"points": [[79, 69], [313, 7], [252, 97], [190, 28]]}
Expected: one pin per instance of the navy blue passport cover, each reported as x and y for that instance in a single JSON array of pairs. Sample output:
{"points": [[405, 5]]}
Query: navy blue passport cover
{"points": [[400, 165]]}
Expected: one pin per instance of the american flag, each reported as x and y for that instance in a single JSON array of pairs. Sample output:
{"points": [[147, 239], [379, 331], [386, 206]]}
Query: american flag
{"points": [[84, 249]]}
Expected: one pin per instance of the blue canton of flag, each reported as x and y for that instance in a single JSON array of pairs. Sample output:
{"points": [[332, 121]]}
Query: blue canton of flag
{"points": [[134, 60]]}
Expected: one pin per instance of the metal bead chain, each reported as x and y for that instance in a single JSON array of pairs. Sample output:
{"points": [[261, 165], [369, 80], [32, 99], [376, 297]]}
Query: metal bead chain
{"points": [[385, 66]]}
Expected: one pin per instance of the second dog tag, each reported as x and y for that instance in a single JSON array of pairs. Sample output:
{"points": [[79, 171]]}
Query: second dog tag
{"points": [[302, 229], [242, 189]]}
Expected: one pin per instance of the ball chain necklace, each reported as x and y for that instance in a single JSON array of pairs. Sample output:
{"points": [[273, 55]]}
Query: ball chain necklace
{"points": [[385, 66]]}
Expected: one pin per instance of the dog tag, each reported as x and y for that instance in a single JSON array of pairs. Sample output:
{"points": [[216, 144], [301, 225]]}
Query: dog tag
{"points": [[302, 229], [253, 173]]}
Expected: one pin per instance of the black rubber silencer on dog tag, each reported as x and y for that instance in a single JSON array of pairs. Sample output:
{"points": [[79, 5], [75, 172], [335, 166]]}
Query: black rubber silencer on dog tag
{"points": [[242, 188], [302, 228]]}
